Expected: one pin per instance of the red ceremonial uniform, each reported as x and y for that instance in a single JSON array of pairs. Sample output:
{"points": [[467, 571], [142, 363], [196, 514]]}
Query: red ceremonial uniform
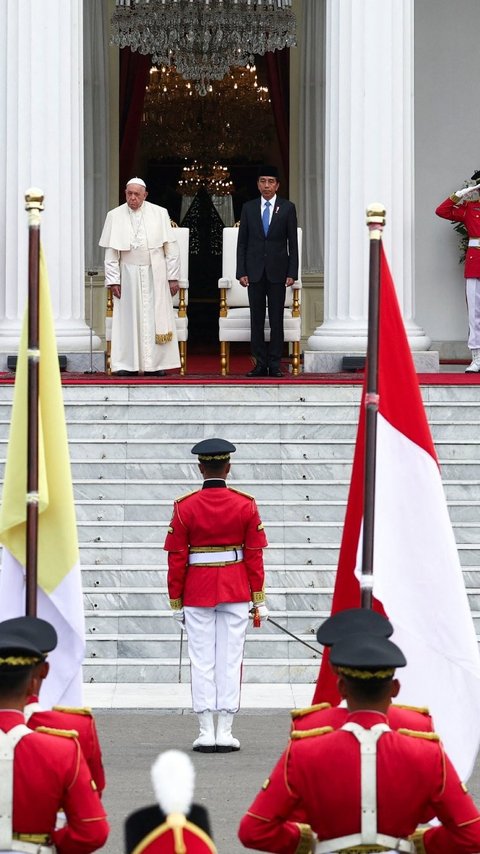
{"points": [[321, 776], [218, 517], [80, 720], [469, 214], [50, 774], [323, 714]]}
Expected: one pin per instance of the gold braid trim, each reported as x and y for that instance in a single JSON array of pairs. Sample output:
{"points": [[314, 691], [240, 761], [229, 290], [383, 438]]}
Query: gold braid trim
{"points": [[430, 736], [417, 839], [298, 734], [367, 674], [204, 458], [318, 707], [422, 710], [176, 604], [74, 710], [306, 843], [50, 730], [258, 598], [21, 660], [163, 339]]}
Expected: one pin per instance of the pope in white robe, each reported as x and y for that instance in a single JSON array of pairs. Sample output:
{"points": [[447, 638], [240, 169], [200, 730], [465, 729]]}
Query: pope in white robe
{"points": [[142, 268]]}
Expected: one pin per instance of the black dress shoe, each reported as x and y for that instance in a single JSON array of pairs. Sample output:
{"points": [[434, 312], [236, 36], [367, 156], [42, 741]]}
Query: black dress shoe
{"points": [[154, 373], [275, 372], [258, 372], [125, 373]]}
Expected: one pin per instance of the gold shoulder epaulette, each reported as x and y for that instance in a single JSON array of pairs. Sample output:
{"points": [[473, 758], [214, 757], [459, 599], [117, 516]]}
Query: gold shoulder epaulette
{"points": [[73, 710], [297, 734], [422, 710], [430, 736], [50, 730], [239, 491], [300, 713], [187, 495]]}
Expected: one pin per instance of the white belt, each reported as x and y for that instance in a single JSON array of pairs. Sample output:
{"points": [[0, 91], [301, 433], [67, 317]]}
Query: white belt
{"points": [[343, 843], [213, 558], [474, 241]]}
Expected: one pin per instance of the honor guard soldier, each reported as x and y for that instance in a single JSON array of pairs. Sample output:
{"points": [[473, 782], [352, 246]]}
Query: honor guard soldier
{"points": [[333, 629], [80, 720], [463, 206], [175, 825], [364, 787], [41, 773], [215, 548]]}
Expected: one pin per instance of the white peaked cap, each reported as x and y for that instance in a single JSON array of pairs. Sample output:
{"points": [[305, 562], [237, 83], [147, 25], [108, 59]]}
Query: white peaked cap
{"points": [[139, 181]]}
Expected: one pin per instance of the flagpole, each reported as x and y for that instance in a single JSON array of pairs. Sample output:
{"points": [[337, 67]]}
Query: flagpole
{"points": [[375, 223], [34, 205]]}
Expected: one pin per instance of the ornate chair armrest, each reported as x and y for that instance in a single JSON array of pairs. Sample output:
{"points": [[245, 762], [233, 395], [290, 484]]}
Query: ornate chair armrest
{"points": [[224, 283]]}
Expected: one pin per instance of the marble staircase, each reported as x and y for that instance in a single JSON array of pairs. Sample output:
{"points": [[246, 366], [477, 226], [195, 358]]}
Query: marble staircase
{"points": [[130, 452]]}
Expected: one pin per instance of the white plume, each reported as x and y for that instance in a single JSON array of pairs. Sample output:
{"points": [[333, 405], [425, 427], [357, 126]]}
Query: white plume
{"points": [[173, 779]]}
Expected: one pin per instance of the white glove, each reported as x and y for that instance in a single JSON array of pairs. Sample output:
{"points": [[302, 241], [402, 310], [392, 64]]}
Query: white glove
{"points": [[465, 191], [179, 616]]}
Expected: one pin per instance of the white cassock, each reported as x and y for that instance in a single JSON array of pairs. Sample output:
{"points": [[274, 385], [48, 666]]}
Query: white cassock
{"points": [[141, 254]]}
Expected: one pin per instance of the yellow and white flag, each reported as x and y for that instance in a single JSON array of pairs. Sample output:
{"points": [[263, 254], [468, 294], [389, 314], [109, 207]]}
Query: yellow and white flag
{"points": [[60, 598]]}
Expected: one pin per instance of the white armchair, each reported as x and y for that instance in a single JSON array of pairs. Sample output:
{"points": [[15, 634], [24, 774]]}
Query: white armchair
{"points": [[234, 320], [180, 300]]}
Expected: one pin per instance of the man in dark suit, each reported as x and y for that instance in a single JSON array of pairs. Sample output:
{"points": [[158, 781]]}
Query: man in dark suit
{"points": [[267, 263]]}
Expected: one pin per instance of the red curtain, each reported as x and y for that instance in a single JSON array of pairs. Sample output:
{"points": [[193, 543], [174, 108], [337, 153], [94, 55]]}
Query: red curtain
{"points": [[278, 70], [134, 73]]}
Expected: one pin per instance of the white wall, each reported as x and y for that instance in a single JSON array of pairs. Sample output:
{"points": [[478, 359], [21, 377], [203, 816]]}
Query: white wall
{"points": [[447, 151]]}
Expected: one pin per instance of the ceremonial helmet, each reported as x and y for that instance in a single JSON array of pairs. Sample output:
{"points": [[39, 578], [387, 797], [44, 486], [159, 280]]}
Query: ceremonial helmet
{"points": [[175, 825]]}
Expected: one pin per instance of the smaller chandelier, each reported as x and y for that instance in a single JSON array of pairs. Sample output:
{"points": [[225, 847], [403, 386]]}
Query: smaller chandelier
{"points": [[203, 38], [215, 178]]}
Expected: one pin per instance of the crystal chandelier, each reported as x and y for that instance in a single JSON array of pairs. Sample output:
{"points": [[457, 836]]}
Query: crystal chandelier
{"points": [[203, 38], [215, 178], [177, 122]]}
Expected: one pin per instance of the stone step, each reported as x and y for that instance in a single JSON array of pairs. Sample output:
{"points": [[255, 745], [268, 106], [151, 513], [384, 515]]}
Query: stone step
{"points": [[100, 577], [325, 532], [295, 451], [104, 622], [157, 488], [150, 510], [290, 599], [161, 670], [311, 431], [155, 532], [278, 646], [296, 469], [278, 554], [312, 576], [130, 450]]}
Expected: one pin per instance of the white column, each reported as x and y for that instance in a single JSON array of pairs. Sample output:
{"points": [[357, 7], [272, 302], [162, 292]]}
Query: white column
{"points": [[369, 158], [41, 136]]}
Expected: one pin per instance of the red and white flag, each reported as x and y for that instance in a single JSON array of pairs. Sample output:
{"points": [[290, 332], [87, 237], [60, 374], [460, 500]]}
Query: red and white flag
{"points": [[417, 577]]}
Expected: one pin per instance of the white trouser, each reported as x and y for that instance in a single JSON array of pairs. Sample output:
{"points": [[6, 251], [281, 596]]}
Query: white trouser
{"points": [[216, 638], [472, 290], [29, 847]]}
